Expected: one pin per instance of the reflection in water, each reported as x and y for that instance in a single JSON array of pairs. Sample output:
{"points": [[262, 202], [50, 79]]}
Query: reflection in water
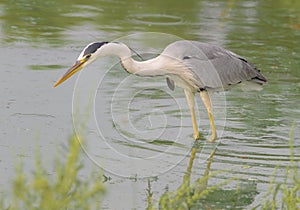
{"points": [[154, 19], [198, 194]]}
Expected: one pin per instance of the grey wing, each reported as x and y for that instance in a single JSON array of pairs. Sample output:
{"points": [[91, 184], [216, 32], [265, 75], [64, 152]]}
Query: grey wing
{"points": [[217, 67]]}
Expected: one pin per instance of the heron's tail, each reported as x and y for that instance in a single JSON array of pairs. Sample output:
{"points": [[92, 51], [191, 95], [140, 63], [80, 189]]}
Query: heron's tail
{"points": [[259, 79]]}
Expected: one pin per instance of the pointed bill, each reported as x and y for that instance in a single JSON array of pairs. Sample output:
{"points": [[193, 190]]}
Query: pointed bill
{"points": [[75, 68]]}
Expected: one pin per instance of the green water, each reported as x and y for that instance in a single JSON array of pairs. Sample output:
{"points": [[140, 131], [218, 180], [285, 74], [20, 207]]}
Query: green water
{"points": [[138, 128]]}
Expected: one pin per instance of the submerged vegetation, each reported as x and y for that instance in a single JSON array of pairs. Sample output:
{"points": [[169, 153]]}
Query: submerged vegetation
{"points": [[61, 190]]}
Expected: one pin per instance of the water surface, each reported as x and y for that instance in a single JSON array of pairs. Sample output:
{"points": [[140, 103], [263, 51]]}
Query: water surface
{"points": [[137, 127]]}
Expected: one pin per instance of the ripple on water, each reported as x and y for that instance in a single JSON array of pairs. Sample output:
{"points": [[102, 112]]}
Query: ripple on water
{"points": [[45, 67], [155, 19]]}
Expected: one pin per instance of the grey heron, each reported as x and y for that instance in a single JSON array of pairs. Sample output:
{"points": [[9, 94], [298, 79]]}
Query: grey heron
{"points": [[191, 65]]}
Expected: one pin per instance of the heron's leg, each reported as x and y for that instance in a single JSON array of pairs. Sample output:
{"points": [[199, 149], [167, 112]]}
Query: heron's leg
{"points": [[207, 102], [190, 97]]}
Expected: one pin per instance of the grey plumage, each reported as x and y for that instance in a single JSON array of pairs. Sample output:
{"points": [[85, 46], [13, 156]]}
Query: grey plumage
{"points": [[213, 67]]}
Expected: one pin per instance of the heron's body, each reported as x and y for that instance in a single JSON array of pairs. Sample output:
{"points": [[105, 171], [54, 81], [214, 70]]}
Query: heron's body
{"points": [[191, 65], [213, 67]]}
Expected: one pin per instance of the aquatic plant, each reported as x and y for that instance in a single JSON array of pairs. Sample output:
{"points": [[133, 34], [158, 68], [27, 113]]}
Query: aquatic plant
{"points": [[285, 195], [63, 189], [190, 195]]}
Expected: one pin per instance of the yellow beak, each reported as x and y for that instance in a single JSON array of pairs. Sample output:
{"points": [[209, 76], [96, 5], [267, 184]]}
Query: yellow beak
{"points": [[75, 68]]}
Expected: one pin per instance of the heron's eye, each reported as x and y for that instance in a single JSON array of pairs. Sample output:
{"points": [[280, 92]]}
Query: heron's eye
{"points": [[88, 56]]}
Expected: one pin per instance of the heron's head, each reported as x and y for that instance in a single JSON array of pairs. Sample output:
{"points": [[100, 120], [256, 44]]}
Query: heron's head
{"points": [[87, 56]]}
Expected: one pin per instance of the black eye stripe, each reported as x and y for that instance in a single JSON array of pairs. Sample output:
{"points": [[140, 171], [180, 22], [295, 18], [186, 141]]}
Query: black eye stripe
{"points": [[93, 47]]}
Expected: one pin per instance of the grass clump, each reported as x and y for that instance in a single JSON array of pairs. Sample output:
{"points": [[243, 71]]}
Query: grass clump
{"points": [[188, 195], [285, 195], [62, 190]]}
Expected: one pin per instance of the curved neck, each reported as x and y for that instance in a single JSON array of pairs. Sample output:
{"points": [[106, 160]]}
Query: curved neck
{"points": [[152, 67]]}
